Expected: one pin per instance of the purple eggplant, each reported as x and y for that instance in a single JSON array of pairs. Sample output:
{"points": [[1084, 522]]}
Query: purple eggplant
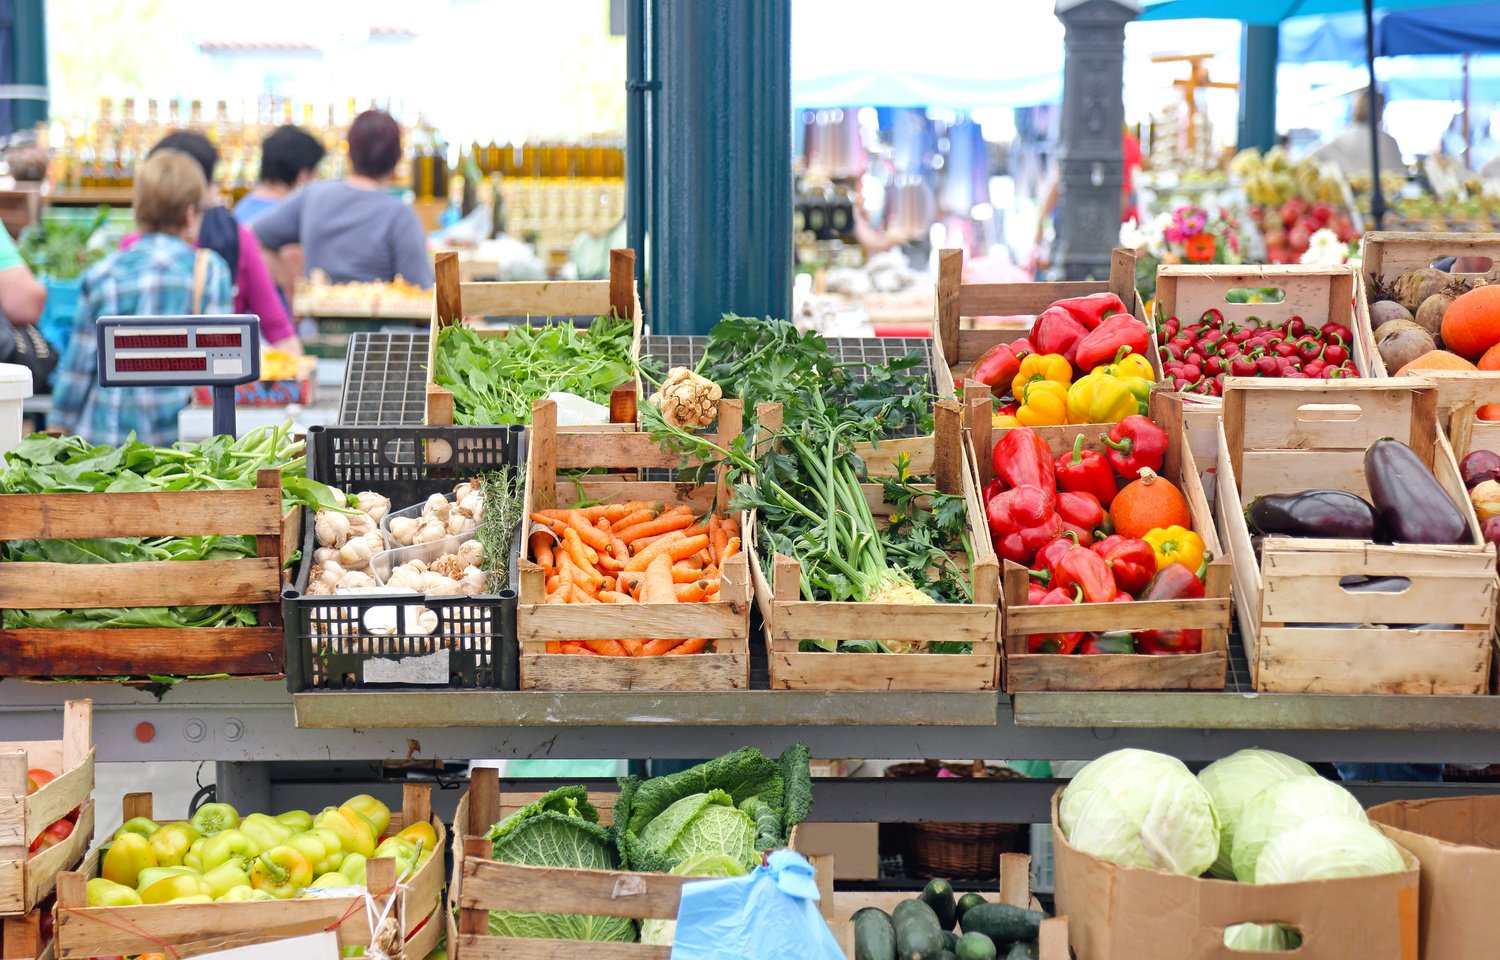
{"points": [[1411, 504], [1333, 514], [1479, 466]]}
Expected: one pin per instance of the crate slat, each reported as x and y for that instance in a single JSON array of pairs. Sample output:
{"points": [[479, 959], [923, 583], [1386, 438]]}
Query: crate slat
{"points": [[188, 513], [26, 880], [163, 583], [244, 651]]}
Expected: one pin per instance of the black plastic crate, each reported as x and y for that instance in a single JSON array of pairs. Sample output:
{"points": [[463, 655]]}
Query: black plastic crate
{"points": [[331, 643]]}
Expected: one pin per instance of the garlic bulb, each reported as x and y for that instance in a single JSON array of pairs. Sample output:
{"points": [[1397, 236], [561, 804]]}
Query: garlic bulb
{"points": [[441, 586], [403, 529], [376, 540], [317, 588], [355, 555], [373, 504], [464, 489], [357, 580], [458, 523], [448, 565], [360, 524], [473, 581], [405, 578], [332, 528], [431, 532], [438, 506], [471, 553], [329, 572], [471, 505], [323, 554], [427, 621]]}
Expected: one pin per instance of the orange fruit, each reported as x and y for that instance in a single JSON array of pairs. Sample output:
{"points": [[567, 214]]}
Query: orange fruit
{"points": [[1148, 503], [1436, 360], [1471, 324]]}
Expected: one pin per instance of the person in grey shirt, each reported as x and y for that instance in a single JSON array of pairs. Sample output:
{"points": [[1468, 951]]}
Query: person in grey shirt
{"points": [[354, 229]]}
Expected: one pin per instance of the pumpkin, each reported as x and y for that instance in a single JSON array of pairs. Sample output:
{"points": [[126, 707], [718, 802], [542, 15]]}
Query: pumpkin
{"points": [[1491, 358], [1437, 360], [1490, 411], [1148, 503], [1471, 324]]}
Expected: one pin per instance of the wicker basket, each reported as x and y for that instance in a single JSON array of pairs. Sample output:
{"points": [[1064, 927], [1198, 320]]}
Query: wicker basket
{"points": [[960, 851]]}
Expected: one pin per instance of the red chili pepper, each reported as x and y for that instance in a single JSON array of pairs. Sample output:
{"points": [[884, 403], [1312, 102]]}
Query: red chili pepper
{"points": [[1081, 514], [1104, 343], [1171, 327], [1055, 330], [1315, 368], [1213, 366], [998, 365], [1023, 520], [1061, 641], [1022, 457], [1190, 371], [1229, 349], [1086, 471], [1336, 331], [1123, 597], [1242, 367], [1294, 327], [1284, 349], [1044, 567], [1336, 353], [1242, 334], [1212, 315], [1334, 373], [1132, 561], [1085, 569], [1309, 348], [1135, 443], [1092, 310], [1267, 367], [993, 489]]}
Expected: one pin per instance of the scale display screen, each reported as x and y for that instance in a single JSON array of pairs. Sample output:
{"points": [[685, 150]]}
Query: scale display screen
{"points": [[178, 351]]}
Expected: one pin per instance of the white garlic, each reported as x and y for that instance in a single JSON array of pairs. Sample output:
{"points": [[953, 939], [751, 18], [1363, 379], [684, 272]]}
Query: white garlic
{"points": [[405, 578], [376, 540], [472, 505], [403, 529], [317, 588], [427, 621], [357, 580], [473, 581], [373, 504], [438, 585], [437, 506], [332, 528], [327, 572], [360, 524], [430, 532], [458, 523], [323, 554], [355, 555], [464, 489], [471, 552]]}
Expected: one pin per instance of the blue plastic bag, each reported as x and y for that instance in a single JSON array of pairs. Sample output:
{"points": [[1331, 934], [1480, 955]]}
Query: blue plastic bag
{"points": [[770, 913]]}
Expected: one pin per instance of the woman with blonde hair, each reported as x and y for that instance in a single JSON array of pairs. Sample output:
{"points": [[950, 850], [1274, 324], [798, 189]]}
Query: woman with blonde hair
{"points": [[160, 275]]}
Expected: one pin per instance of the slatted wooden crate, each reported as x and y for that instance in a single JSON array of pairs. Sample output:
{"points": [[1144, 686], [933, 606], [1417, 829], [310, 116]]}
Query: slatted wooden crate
{"points": [[28, 937], [1387, 254], [190, 929], [453, 300], [25, 880], [123, 651], [1315, 293], [1280, 437], [789, 619], [725, 621], [1026, 671]]}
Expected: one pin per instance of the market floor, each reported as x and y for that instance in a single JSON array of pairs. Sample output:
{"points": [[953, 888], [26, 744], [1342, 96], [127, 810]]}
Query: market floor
{"points": [[171, 785]]}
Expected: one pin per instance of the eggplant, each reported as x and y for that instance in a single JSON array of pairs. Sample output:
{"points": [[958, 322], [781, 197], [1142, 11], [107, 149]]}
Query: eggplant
{"points": [[1331, 514], [1411, 505]]}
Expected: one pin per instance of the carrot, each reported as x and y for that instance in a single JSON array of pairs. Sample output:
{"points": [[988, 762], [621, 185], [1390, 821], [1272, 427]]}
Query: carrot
{"points": [[732, 547], [541, 549], [577, 573], [582, 555], [665, 523], [575, 646], [655, 648], [691, 592], [732, 526], [640, 559], [631, 583], [589, 533], [552, 583], [689, 646], [658, 584], [710, 572], [633, 647], [606, 648], [686, 573], [607, 584], [581, 595], [674, 550], [711, 591], [618, 551], [631, 519], [702, 558], [564, 587], [718, 539], [614, 596]]}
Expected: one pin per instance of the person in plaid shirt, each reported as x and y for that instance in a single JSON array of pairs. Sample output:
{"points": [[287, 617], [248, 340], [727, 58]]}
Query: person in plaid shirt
{"points": [[154, 277]]}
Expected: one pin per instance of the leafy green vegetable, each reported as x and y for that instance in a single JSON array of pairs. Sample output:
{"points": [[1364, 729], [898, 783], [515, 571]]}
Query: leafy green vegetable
{"points": [[559, 830], [59, 248], [771, 796], [496, 379]]}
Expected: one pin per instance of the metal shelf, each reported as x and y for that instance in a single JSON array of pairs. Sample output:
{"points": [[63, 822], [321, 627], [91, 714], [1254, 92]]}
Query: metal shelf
{"points": [[385, 380]]}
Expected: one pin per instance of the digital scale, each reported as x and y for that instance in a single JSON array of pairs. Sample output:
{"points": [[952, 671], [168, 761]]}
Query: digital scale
{"points": [[221, 352]]}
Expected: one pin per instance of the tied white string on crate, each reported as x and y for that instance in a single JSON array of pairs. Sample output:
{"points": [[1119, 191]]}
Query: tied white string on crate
{"points": [[386, 942]]}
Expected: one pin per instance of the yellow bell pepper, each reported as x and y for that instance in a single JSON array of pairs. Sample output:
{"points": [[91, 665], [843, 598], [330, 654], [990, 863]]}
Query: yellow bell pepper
{"points": [[1003, 421], [1100, 398], [1044, 403], [1128, 364], [1041, 367], [1176, 544]]}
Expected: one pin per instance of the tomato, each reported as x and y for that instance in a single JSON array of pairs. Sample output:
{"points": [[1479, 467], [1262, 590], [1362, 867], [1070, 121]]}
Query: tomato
{"points": [[37, 778], [54, 834]]}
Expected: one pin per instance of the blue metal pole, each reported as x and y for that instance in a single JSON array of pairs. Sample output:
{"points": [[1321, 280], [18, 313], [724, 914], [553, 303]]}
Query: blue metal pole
{"points": [[721, 167], [637, 131], [29, 46], [1258, 87]]}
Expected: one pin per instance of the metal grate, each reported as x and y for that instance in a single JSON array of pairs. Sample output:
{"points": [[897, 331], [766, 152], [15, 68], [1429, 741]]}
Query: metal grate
{"points": [[1239, 679], [385, 380]]}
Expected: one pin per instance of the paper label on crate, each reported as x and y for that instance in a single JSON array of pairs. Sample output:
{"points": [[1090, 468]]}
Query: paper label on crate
{"points": [[431, 669], [318, 946]]}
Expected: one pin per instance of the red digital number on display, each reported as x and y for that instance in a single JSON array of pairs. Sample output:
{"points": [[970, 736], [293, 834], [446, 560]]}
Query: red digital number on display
{"points": [[218, 340], [150, 341], [160, 364]]}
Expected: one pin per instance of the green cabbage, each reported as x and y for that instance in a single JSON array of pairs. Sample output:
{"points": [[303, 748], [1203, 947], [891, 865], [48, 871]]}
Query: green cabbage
{"points": [[1232, 782], [559, 830], [1280, 807], [1327, 848], [1141, 809], [660, 932], [703, 823], [1262, 937]]}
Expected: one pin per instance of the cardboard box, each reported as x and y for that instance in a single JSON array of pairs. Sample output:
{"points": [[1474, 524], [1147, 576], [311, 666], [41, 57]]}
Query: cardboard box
{"points": [[855, 847], [1457, 841], [1113, 911]]}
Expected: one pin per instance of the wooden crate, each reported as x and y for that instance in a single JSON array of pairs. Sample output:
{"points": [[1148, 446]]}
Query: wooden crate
{"points": [[1280, 437], [124, 651], [1388, 254], [26, 881], [453, 300], [1315, 293], [28, 937], [1190, 671], [972, 317], [1014, 889], [189, 929], [789, 619], [726, 621], [480, 884]]}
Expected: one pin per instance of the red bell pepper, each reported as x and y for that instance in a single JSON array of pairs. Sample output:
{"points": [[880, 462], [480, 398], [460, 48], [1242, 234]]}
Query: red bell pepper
{"points": [[1022, 457], [1086, 570], [1086, 471], [1093, 309], [1057, 331], [1034, 593], [1132, 561], [1062, 641], [993, 489], [1170, 584], [1116, 641], [1159, 643], [1022, 521], [1103, 343], [998, 365], [1044, 567], [1135, 443], [1081, 515]]}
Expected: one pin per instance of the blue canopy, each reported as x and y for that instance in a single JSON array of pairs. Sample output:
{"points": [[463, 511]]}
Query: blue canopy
{"points": [[1437, 30], [1268, 13]]}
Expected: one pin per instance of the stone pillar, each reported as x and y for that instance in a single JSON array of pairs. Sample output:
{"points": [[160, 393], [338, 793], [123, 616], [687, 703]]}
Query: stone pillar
{"points": [[1089, 155]]}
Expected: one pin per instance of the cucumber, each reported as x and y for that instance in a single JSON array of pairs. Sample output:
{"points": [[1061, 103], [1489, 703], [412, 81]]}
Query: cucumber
{"points": [[1022, 950], [965, 902], [1003, 923], [874, 937], [938, 894], [975, 946], [950, 940], [947, 955], [918, 936]]}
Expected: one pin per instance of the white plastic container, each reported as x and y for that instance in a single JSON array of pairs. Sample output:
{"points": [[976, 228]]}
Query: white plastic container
{"points": [[15, 390]]}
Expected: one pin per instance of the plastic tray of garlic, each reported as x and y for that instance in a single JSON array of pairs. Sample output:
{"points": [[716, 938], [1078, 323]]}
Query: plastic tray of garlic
{"points": [[436, 518]]}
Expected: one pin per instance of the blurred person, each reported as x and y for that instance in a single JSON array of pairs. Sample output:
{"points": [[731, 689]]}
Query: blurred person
{"points": [[354, 229], [254, 288], [289, 159], [27, 163], [1350, 150], [160, 274]]}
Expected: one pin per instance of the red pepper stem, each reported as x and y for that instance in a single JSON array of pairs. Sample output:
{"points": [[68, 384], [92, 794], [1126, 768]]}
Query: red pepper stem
{"points": [[1124, 445], [1077, 451], [1203, 567], [1122, 353]]}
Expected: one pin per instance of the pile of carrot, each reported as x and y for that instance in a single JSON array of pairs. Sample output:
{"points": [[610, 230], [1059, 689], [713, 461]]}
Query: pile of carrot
{"points": [[635, 552]]}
